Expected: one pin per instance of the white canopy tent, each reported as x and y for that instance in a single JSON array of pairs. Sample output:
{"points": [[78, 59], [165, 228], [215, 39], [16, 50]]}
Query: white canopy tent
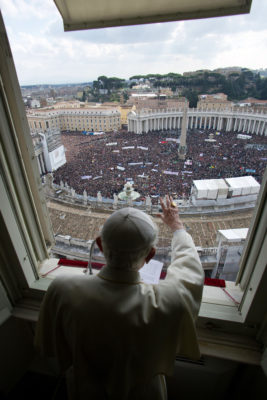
{"points": [[210, 189], [243, 185], [232, 235]]}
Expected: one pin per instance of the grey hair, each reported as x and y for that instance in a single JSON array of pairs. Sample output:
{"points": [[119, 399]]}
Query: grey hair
{"points": [[127, 259]]}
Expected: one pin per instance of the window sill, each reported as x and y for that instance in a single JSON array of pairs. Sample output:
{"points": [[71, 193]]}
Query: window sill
{"points": [[221, 303], [220, 326], [217, 303]]}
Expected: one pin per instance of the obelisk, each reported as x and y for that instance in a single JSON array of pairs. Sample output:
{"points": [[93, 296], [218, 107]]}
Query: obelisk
{"points": [[182, 145]]}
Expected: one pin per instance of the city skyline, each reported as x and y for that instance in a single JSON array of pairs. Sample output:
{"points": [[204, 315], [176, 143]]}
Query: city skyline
{"points": [[45, 54]]}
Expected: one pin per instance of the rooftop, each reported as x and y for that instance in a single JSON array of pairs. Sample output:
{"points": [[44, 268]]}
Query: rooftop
{"points": [[82, 223]]}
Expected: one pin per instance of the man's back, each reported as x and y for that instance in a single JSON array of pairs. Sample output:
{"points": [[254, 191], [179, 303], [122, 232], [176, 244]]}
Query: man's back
{"points": [[115, 335]]}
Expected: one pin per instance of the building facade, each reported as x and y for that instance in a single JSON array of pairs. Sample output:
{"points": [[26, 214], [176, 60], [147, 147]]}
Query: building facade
{"points": [[247, 121], [213, 101], [75, 119], [49, 150]]}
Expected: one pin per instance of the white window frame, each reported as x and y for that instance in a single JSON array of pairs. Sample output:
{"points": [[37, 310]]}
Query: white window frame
{"points": [[26, 219]]}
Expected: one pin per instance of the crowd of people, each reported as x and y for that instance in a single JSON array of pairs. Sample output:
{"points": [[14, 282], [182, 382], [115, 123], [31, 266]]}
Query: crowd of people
{"points": [[105, 163]]}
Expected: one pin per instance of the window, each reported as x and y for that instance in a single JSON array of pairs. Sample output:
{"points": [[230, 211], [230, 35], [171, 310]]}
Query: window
{"points": [[24, 221]]}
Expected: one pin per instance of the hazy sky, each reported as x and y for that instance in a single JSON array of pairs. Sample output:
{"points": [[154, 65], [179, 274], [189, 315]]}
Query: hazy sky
{"points": [[44, 53]]}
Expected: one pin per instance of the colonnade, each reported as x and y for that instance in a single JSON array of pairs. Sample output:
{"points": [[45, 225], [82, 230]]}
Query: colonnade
{"points": [[227, 120]]}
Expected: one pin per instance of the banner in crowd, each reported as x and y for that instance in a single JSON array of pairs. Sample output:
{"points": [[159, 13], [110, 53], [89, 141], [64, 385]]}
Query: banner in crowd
{"points": [[171, 173], [128, 147], [250, 170], [86, 177], [172, 140], [120, 168], [97, 177], [188, 162], [142, 148], [112, 144], [135, 163], [142, 176]]}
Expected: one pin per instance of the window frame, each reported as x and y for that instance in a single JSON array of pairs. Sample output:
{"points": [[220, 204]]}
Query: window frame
{"points": [[19, 169], [30, 232]]}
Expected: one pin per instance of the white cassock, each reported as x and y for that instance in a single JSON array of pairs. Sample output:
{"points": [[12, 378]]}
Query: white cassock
{"points": [[118, 336]]}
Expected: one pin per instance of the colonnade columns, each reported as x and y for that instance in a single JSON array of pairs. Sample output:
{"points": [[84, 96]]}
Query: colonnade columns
{"points": [[228, 125], [235, 124], [239, 126], [254, 125], [258, 128], [209, 122], [243, 125], [249, 124], [263, 128], [220, 123]]}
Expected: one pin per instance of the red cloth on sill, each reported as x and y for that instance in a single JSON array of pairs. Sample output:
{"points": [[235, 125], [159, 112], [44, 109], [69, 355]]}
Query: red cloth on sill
{"points": [[78, 263], [214, 282]]}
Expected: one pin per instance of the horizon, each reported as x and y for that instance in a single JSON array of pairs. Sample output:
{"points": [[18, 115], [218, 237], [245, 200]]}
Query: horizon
{"points": [[128, 79]]}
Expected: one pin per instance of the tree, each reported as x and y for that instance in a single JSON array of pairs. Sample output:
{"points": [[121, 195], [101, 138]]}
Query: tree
{"points": [[125, 96], [191, 96]]}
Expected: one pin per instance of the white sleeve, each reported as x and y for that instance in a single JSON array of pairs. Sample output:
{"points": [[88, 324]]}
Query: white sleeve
{"points": [[186, 271]]}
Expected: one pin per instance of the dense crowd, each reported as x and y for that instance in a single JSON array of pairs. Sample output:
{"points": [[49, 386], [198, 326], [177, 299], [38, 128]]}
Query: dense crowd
{"points": [[105, 163]]}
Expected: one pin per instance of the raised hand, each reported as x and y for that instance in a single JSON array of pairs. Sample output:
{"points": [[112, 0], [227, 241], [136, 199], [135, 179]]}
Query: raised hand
{"points": [[170, 214]]}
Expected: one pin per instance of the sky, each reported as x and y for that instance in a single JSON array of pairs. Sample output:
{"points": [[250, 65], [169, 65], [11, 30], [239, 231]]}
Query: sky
{"points": [[44, 53]]}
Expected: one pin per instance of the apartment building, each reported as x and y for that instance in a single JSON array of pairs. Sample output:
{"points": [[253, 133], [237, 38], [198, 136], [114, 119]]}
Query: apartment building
{"points": [[213, 101], [75, 119]]}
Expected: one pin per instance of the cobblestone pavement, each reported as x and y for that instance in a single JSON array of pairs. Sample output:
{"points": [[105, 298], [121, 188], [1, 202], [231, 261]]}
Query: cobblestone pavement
{"points": [[83, 224]]}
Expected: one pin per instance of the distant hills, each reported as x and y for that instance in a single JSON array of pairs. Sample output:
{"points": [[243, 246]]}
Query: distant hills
{"points": [[236, 82]]}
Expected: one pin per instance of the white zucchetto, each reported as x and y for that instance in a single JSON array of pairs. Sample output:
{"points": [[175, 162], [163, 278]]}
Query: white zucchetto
{"points": [[128, 229]]}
